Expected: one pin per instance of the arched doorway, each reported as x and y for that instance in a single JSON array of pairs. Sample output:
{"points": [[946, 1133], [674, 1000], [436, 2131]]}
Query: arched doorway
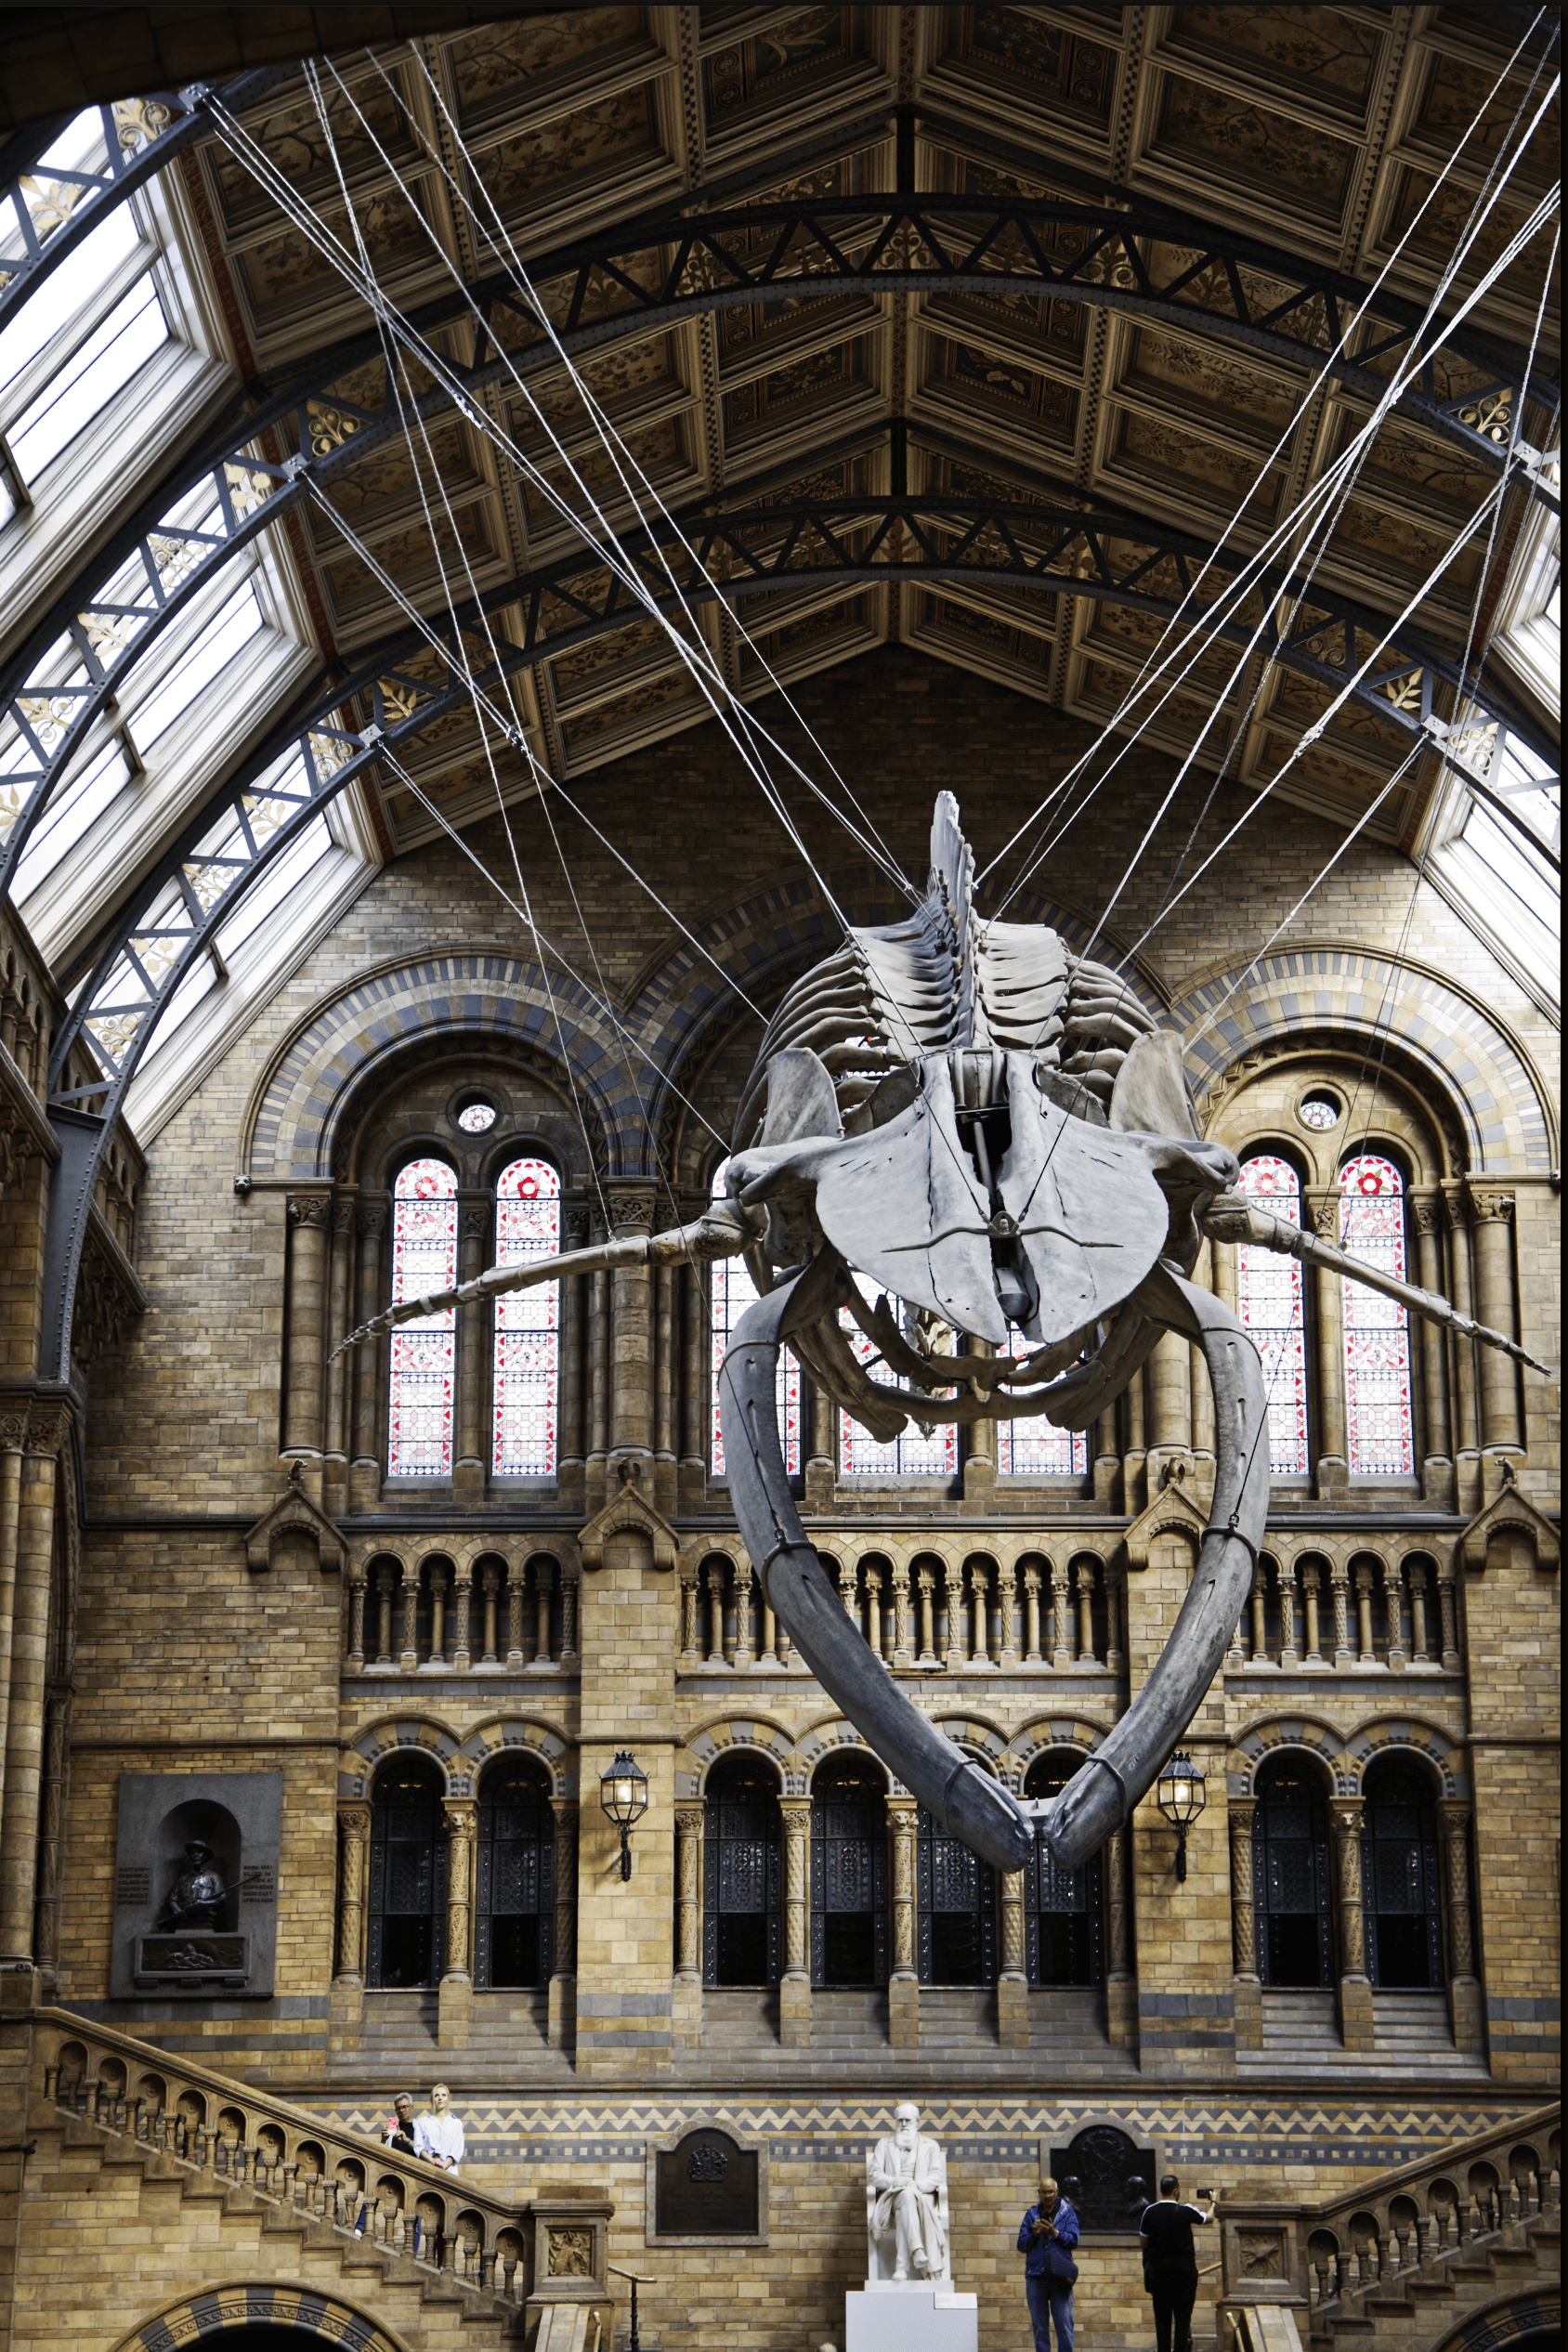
{"points": [[742, 1896], [408, 1891], [1292, 1890], [955, 1910], [515, 1894], [1063, 1910], [310, 2317], [848, 1874], [1400, 1887]]}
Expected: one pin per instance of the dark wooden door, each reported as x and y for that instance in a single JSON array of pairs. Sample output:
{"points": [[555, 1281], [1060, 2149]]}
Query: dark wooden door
{"points": [[742, 1895], [1292, 1890], [955, 1910], [1064, 1913], [1401, 1893], [514, 1897], [406, 1931], [848, 1875]]}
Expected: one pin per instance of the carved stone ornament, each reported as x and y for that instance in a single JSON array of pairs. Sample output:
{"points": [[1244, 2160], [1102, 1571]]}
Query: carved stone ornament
{"points": [[572, 2253], [294, 1513], [309, 1209]]}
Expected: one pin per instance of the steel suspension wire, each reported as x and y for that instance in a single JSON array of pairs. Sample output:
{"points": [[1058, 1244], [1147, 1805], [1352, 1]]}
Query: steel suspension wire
{"points": [[621, 455], [1353, 323]]}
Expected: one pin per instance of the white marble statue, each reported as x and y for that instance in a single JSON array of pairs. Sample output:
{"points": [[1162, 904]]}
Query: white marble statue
{"points": [[907, 2204]]}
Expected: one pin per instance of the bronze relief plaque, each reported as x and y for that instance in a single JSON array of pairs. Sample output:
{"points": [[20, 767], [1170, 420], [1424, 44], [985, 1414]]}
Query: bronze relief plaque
{"points": [[706, 2188]]}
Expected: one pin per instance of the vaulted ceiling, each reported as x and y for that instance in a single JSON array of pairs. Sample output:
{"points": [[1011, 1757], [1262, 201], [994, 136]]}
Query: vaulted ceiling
{"points": [[970, 328]]}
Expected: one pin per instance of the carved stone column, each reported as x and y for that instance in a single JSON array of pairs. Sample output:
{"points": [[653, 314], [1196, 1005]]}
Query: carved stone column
{"points": [[354, 1828], [1260, 1598], [903, 1992], [928, 1616], [543, 1581], [51, 1822], [354, 1660], [665, 1388], [1007, 1610], [980, 1612], [1393, 1610], [1338, 1577], [596, 1407], [48, 1432], [903, 1654], [873, 1608], [1355, 1989], [1116, 1593], [13, 1439], [367, 1365], [475, 1327], [1013, 1983], [1168, 1372], [462, 1613], [1310, 1582], [308, 1216], [1333, 1466], [743, 1616], [408, 1636], [516, 1656], [1448, 1615], [952, 1582], [437, 1613], [822, 1469], [1248, 1989], [569, 1593], [456, 1995], [340, 1290], [386, 1577], [563, 1975], [1416, 1572], [1084, 1578], [696, 1324], [1466, 1405], [1060, 1618], [1367, 1655], [1289, 1656], [1199, 1387], [1438, 1474], [794, 1991], [689, 1816], [1031, 1613], [1500, 1430], [1464, 1989], [632, 1336], [691, 1652], [491, 1581], [574, 1236], [715, 1614], [1121, 1982]]}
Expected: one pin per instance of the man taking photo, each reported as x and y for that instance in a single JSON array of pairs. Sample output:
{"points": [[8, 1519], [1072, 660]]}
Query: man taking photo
{"points": [[1049, 2233]]}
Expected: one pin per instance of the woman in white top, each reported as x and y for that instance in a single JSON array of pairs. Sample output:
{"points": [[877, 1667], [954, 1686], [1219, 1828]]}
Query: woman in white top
{"points": [[437, 2137]]}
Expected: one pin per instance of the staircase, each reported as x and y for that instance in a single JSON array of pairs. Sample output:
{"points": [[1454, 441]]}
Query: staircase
{"points": [[147, 2177], [1404, 2262]]}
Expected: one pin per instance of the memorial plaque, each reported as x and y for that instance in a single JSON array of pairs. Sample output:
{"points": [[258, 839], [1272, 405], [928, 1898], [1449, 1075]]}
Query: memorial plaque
{"points": [[706, 2187], [133, 1883], [196, 1886], [1107, 2179]]}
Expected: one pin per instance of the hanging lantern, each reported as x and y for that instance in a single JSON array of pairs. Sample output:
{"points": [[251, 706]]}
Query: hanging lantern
{"points": [[1181, 1799], [623, 1796]]}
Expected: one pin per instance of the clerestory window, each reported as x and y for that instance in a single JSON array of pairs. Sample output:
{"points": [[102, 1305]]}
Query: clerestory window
{"points": [[733, 1291], [526, 1395], [423, 1353], [1379, 1429], [1271, 1302]]}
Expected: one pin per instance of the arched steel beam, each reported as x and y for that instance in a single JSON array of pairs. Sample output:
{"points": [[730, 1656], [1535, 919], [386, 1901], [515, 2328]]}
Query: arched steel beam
{"points": [[74, 659], [258, 813], [140, 136]]}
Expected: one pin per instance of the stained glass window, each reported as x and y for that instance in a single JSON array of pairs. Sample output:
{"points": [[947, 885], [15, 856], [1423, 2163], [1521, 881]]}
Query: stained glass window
{"points": [[1270, 1303], [1381, 1441], [1036, 1448], [918, 1454], [527, 1324], [423, 1259], [732, 1292]]}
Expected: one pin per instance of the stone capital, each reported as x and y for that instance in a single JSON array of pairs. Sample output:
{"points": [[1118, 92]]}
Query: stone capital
{"points": [[1491, 1208], [309, 1208]]}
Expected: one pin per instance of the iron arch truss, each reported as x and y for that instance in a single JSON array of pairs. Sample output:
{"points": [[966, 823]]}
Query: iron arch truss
{"points": [[1058, 541]]}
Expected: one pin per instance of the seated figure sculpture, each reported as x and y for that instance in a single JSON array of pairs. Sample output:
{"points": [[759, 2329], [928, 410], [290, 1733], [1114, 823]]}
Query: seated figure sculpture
{"points": [[907, 2205]]}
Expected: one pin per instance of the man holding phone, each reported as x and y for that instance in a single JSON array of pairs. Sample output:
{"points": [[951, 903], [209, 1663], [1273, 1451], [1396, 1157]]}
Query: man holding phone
{"points": [[1170, 2262], [1049, 2233]]}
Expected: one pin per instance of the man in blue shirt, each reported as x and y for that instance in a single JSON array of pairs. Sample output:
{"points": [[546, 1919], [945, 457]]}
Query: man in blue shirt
{"points": [[1050, 2232]]}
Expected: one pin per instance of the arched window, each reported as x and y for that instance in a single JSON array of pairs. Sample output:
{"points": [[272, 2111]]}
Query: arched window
{"points": [[1270, 1302], [1291, 1890], [1037, 1448], [919, 1452], [528, 1324], [424, 1259], [848, 1874], [955, 1910], [742, 1905], [1400, 1888], [408, 1891], [732, 1292], [514, 1896], [1064, 1918], [1379, 1432]]}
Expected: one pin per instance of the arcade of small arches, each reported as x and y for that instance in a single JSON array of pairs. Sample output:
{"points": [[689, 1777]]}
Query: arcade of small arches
{"points": [[798, 1857]]}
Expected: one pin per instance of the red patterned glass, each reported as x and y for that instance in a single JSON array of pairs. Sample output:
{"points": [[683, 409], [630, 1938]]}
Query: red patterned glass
{"points": [[525, 1414], [732, 1292], [424, 1259], [1036, 1448], [918, 1454], [1378, 1418], [1270, 1303]]}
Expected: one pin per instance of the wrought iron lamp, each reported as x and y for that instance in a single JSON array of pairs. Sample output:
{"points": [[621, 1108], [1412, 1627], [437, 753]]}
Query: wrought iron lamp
{"points": [[1180, 1800], [623, 1795]]}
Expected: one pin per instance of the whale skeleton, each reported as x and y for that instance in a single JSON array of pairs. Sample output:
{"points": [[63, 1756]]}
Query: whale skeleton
{"points": [[997, 1134]]}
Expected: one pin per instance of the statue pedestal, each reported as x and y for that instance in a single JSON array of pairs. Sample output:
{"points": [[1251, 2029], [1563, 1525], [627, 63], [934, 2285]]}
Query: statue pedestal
{"points": [[910, 2316]]}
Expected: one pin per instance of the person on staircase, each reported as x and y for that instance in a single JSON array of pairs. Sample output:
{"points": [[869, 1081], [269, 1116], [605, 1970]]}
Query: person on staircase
{"points": [[1164, 2239], [437, 2135]]}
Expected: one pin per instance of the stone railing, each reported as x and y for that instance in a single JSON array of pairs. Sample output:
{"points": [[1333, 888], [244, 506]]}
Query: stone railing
{"points": [[233, 2137], [1407, 2220], [1319, 1612]]}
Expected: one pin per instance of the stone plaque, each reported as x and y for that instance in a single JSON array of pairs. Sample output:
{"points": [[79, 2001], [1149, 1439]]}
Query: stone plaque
{"points": [[196, 1886], [1106, 2177], [706, 2187]]}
